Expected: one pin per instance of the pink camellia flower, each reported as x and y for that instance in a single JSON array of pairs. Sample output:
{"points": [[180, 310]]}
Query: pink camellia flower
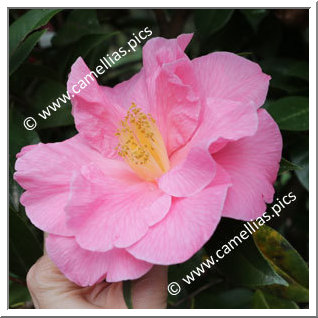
{"points": [[157, 161]]}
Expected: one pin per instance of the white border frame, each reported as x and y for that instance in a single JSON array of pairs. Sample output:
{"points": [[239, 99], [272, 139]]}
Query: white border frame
{"points": [[312, 161]]}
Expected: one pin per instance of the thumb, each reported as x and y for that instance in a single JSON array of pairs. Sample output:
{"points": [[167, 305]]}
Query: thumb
{"points": [[150, 291]]}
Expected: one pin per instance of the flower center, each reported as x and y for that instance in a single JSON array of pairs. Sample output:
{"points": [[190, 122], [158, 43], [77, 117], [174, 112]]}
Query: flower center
{"points": [[141, 144]]}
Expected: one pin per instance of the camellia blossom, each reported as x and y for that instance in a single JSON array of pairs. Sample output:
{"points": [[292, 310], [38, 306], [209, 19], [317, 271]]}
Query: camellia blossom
{"points": [[157, 161]]}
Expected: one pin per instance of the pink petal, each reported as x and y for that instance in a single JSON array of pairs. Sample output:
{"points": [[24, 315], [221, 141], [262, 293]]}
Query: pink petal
{"points": [[184, 39], [127, 92], [173, 91], [225, 120], [186, 228], [86, 268], [105, 212], [253, 163], [192, 167], [176, 104], [229, 76], [24, 150], [135, 89], [159, 51], [45, 172], [191, 175], [45, 208], [96, 119], [166, 87]]}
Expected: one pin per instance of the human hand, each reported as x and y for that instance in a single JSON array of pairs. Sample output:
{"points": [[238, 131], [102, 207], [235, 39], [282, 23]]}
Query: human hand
{"points": [[49, 288]]}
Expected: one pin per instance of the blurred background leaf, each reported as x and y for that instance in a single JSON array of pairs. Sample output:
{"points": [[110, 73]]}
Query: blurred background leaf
{"points": [[287, 263], [22, 252], [80, 22], [286, 165], [251, 268], [46, 93], [299, 153], [290, 113], [255, 16], [18, 293], [23, 51], [236, 298], [264, 300], [209, 22], [30, 21]]}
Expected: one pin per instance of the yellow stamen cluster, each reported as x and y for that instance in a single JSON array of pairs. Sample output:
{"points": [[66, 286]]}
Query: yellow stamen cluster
{"points": [[141, 144]]}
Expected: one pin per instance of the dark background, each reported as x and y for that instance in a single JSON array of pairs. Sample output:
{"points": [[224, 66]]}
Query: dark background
{"points": [[277, 39]]}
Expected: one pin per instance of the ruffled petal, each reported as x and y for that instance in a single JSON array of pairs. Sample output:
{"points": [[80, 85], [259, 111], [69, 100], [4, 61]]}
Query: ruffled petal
{"points": [[192, 166], [45, 172], [105, 212], [229, 76], [159, 51], [176, 104], [131, 91], [86, 268], [173, 91], [252, 163], [225, 120], [166, 87], [192, 171], [186, 228], [96, 118]]}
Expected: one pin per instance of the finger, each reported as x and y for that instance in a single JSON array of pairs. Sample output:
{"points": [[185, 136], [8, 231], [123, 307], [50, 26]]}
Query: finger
{"points": [[50, 289], [150, 291], [44, 239]]}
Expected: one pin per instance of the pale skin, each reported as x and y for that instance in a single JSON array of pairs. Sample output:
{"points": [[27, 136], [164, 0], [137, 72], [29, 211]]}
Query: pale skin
{"points": [[49, 288]]}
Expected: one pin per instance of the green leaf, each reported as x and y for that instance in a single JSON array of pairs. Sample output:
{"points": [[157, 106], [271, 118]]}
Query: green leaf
{"points": [[18, 294], [286, 67], [30, 70], [244, 265], [18, 135], [290, 85], [247, 267], [46, 94], [294, 291], [259, 301], [289, 75], [178, 271], [254, 16], [237, 298], [290, 113], [23, 51], [130, 58], [79, 23], [299, 69], [287, 263], [127, 293], [299, 153], [82, 48], [286, 166], [88, 43], [263, 300], [279, 252], [24, 246], [30, 21], [209, 22]]}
